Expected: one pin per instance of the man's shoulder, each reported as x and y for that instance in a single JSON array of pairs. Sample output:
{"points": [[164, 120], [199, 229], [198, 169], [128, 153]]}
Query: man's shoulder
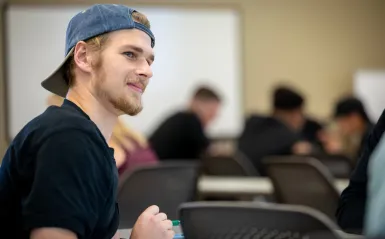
{"points": [[179, 118], [185, 116], [56, 120]]}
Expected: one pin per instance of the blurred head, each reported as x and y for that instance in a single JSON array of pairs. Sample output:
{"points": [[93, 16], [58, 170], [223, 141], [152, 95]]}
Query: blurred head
{"points": [[350, 116], [205, 103], [288, 106], [115, 67]]}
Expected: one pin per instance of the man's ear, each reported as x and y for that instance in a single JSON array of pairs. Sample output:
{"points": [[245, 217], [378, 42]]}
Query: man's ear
{"points": [[81, 57]]}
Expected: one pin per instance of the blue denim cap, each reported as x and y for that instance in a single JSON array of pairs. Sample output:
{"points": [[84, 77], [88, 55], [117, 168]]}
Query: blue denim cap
{"points": [[96, 20]]}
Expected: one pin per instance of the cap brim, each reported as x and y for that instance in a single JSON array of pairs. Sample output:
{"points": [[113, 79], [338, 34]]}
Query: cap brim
{"points": [[56, 82]]}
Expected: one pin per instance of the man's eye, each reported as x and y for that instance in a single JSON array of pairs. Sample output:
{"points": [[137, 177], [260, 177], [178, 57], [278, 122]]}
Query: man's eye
{"points": [[129, 54]]}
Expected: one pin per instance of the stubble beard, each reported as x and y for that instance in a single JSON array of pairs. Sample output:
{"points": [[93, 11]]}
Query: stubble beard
{"points": [[130, 106]]}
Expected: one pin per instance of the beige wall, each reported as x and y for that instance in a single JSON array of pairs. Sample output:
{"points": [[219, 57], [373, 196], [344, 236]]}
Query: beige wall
{"points": [[3, 143], [315, 45]]}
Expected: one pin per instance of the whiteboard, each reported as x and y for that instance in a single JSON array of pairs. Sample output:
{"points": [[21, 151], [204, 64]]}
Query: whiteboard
{"points": [[369, 86], [193, 46]]}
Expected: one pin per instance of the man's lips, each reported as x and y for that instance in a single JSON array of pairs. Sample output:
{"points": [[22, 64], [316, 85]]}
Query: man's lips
{"points": [[136, 87]]}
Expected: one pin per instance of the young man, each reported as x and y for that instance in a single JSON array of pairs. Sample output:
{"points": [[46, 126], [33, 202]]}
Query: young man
{"points": [[182, 136], [353, 123], [58, 178], [278, 134]]}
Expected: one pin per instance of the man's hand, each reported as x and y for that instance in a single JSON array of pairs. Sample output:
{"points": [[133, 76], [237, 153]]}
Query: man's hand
{"points": [[302, 148], [152, 225]]}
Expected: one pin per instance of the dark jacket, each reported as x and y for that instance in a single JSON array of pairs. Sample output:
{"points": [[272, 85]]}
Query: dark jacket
{"points": [[181, 136], [265, 136]]}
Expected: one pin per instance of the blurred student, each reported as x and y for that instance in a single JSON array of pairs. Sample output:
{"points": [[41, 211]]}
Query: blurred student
{"points": [[352, 203], [131, 148], [311, 131], [182, 135], [278, 134], [351, 129]]}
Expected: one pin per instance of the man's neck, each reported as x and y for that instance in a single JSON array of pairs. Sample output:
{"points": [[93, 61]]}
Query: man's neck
{"points": [[282, 118], [195, 110], [104, 119]]}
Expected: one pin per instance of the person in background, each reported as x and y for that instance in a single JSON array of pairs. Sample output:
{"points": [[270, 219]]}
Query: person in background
{"points": [[278, 134], [352, 203], [311, 131], [351, 129], [182, 135], [131, 148]]}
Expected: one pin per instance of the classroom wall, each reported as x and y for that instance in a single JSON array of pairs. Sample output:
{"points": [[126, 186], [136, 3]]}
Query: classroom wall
{"points": [[3, 143], [314, 45]]}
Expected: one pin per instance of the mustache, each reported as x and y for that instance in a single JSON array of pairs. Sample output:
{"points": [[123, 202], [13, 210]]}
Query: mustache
{"points": [[141, 83]]}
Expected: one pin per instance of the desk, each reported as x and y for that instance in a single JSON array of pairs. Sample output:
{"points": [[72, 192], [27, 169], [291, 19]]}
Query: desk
{"points": [[126, 233], [250, 186]]}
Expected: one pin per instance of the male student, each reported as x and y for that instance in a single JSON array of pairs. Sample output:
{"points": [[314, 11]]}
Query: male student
{"points": [[278, 134], [182, 136], [353, 123], [58, 178]]}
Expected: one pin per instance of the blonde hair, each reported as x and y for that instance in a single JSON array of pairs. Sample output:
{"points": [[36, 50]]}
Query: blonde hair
{"points": [[97, 44], [124, 135]]}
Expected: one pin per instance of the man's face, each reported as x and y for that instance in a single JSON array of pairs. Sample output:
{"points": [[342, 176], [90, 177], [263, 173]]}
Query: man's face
{"points": [[297, 119], [209, 111], [347, 124], [123, 71]]}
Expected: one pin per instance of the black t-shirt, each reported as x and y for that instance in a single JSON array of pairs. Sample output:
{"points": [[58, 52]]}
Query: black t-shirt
{"points": [[59, 172], [265, 136], [181, 136]]}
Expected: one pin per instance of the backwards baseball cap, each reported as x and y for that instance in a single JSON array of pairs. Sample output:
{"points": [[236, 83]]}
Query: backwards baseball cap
{"points": [[96, 20]]}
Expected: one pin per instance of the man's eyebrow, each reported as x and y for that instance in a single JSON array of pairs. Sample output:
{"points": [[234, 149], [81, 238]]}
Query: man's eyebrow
{"points": [[140, 50]]}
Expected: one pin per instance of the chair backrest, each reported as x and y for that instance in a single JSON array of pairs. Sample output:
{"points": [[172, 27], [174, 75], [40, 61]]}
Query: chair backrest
{"points": [[340, 166], [303, 181], [221, 220], [236, 164], [166, 185]]}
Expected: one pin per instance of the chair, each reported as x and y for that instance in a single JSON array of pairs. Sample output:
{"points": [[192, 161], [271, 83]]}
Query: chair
{"points": [[166, 185], [340, 166], [236, 164], [303, 181], [226, 220]]}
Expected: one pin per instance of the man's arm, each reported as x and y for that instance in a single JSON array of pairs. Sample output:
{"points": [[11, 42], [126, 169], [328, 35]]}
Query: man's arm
{"points": [[197, 135], [48, 233], [70, 187], [375, 207]]}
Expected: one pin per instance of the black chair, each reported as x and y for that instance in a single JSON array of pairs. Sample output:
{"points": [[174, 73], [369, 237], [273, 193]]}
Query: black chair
{"points": [[340, 166], [303, 181], [166, 185], [226, 220], [236, 164]]}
